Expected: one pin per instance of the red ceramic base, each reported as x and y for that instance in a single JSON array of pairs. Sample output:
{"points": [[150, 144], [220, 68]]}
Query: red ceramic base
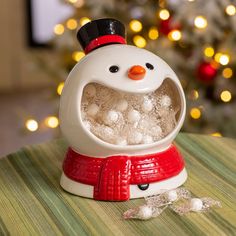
{"points": [[112, 176]]}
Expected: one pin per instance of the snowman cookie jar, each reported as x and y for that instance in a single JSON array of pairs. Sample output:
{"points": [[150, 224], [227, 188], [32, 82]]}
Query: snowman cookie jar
{"points": [[121, 108]]}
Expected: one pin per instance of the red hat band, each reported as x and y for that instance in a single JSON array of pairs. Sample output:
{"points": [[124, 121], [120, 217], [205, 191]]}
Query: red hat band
{"points": [[104, 40]]}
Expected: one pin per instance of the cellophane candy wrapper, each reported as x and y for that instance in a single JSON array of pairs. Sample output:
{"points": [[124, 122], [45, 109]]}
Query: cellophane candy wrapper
{"points": [[196, 205], [144, 212], [179, 200]]}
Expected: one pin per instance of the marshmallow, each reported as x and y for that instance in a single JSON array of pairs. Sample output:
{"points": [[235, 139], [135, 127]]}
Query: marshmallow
{"points": [[121, 142], [147, 139], [87, 124], [135, 137], [90, 90], [147, 105], [111, 117], [92, 110], [156, 131], [122, 105], [165, 101], [133, 116]]}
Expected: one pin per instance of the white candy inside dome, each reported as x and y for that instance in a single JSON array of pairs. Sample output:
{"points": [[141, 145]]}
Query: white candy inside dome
{"points": [[130, 119], [92, 109], [90, 90], [111, 117], [147, 105], [133, 116], [122, 105]]}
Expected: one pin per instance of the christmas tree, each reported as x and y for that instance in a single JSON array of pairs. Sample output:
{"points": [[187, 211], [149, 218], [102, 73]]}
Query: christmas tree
{"points": [[195, 37]]}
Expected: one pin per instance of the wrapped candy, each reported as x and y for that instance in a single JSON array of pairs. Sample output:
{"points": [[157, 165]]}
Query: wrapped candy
{"points": [[195, 205], [144, 212], [156, 204], [168, 197]]}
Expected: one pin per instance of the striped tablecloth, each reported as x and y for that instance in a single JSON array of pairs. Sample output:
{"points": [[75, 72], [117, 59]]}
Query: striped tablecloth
{"points": [[32, 202]]}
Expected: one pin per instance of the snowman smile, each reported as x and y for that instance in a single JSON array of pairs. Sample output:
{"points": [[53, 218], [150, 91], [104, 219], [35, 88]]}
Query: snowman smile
{"points": [[122, 118]]}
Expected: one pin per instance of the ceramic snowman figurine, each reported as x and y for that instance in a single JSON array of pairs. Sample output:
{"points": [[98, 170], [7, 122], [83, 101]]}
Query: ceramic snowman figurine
{"points": [[121, 108]]}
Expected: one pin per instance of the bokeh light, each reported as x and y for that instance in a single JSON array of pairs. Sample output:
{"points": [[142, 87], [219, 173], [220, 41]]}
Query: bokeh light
{"points": [[194, 95], [227, 73], [174, 35], [84, 20], [135, 25], [216, 134], [209, 51], [60, 88], [52, 122], [139, 41], [224, 59], [59, 29], [195, 113], [72, 1], [164, 14], [31, 125], [71, 24], [200, 22], [225, 96], [230, 10], [78, 55], [153, 33]]}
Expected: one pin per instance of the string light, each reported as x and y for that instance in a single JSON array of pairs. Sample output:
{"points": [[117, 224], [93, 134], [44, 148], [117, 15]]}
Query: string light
{"points": [[224, 59], [225, 96], [72, 1], [227, 73], [216, 134], [139, 41], [84, 20], [60, 88], [195, 113], [164, 14], [31, 125], [230, 10], [209, 51], [71, 24], [78, 55], [135, 25], [52, 122], [200, 22], [59, 29], [174, 35], [153, 33]]}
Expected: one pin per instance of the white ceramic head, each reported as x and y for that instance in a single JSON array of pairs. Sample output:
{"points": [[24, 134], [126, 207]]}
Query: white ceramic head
{"points": [[94, 67]]}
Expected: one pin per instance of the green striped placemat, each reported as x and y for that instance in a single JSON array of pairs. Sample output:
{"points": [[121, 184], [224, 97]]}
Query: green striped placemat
{"points": [[33, 203]]}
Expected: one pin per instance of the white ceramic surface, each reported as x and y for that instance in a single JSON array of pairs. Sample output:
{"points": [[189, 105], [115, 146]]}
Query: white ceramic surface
{"points": [[94, 67], [154, 188]]}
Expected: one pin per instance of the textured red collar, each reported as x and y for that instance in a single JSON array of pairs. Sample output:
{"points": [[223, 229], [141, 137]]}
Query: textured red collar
{"points": [[112, 176]]}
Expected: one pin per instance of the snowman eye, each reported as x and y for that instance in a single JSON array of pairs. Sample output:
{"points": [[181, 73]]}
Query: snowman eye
{"points": [[113, 69], [149, 66]]}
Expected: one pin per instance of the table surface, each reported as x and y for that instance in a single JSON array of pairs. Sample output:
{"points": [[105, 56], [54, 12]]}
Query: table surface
{"points": [[33, 203]]}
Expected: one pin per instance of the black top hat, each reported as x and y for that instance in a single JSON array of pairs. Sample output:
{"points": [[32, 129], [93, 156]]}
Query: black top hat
{"points": [[101, 32]]}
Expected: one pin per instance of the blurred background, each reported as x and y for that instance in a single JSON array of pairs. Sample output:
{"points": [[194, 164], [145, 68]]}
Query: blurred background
{"points": [[38, 47]]}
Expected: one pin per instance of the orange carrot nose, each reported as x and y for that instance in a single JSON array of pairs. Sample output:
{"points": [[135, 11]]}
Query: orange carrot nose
{"points": [[136, 72]]}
